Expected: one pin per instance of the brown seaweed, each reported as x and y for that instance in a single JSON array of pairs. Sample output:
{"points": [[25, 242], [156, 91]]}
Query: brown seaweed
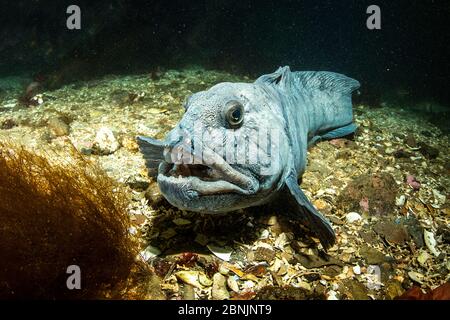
{"points": [[56, 215]]}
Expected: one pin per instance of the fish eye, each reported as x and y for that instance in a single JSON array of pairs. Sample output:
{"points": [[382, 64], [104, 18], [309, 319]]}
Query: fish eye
{"points": [[234, 114]]}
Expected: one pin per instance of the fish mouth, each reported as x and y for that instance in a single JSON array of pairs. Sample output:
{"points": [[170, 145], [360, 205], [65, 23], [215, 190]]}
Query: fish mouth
{"points": [[210, 177]]}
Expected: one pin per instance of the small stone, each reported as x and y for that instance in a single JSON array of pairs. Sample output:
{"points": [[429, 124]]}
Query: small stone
{"points": [[105, 142], [153, 195], [136, 182], [372, 255], [411, 141], [353, 217], [181, 221], [428, 151], [357, 269], [399, 154], [8, 124], [332, 295], [394, 289], [400, 201], [58, 127], [219, 290], [223, 270], [394, 233], [232, 284]]}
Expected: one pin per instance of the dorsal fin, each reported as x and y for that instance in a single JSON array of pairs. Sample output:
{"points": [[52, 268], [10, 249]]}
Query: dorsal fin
{"points": [[280, 78], [310, 80], [326, 81]]}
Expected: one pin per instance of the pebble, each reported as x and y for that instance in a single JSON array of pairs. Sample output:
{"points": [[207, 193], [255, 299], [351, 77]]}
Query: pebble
{"points": [[353, 217], [232, 284], [105, 142], [357, 269], [219, 290], [332, 295], [58, 127], [400, 201]]}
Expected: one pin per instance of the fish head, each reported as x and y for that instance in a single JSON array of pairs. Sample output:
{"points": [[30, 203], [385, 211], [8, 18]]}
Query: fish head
{"points": [[227, 152]]}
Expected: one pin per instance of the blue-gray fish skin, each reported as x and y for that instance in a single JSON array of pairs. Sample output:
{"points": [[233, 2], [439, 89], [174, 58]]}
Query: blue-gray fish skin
{"points": [[293, 109]]}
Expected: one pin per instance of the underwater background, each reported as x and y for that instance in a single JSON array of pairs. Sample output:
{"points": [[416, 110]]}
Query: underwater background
{"points": [[132, 64]]}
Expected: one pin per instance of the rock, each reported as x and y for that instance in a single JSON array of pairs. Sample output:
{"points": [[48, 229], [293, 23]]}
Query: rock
{"points": [[354, 289], [372, 255], [428, 151], [369, 236], [414, 229], [444, 232], [154, 196], [411, 141], [332, 270], [393, 289], [372, 193], [400, 201], [136, 182], [8, 124], [394, 233], [105, 142], [399, 154], [356, 270], [353, 217], [58, 127], [264, 254], [187, 292], [219, 289], [322, 206]]}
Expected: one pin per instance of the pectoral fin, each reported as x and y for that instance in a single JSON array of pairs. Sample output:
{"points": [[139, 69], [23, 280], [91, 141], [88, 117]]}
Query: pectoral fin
{"points": [[334, 134], [153, 152], [307, 214]]}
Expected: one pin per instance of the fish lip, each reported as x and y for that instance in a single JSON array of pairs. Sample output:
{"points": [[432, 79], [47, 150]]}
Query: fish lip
{"points": [[224, 179]]}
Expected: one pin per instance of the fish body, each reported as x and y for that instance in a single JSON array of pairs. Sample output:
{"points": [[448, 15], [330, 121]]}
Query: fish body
{"points": [[245, 144]]}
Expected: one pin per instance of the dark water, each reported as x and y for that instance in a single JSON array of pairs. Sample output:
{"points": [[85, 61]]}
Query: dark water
{"points": [[406, 59]]}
